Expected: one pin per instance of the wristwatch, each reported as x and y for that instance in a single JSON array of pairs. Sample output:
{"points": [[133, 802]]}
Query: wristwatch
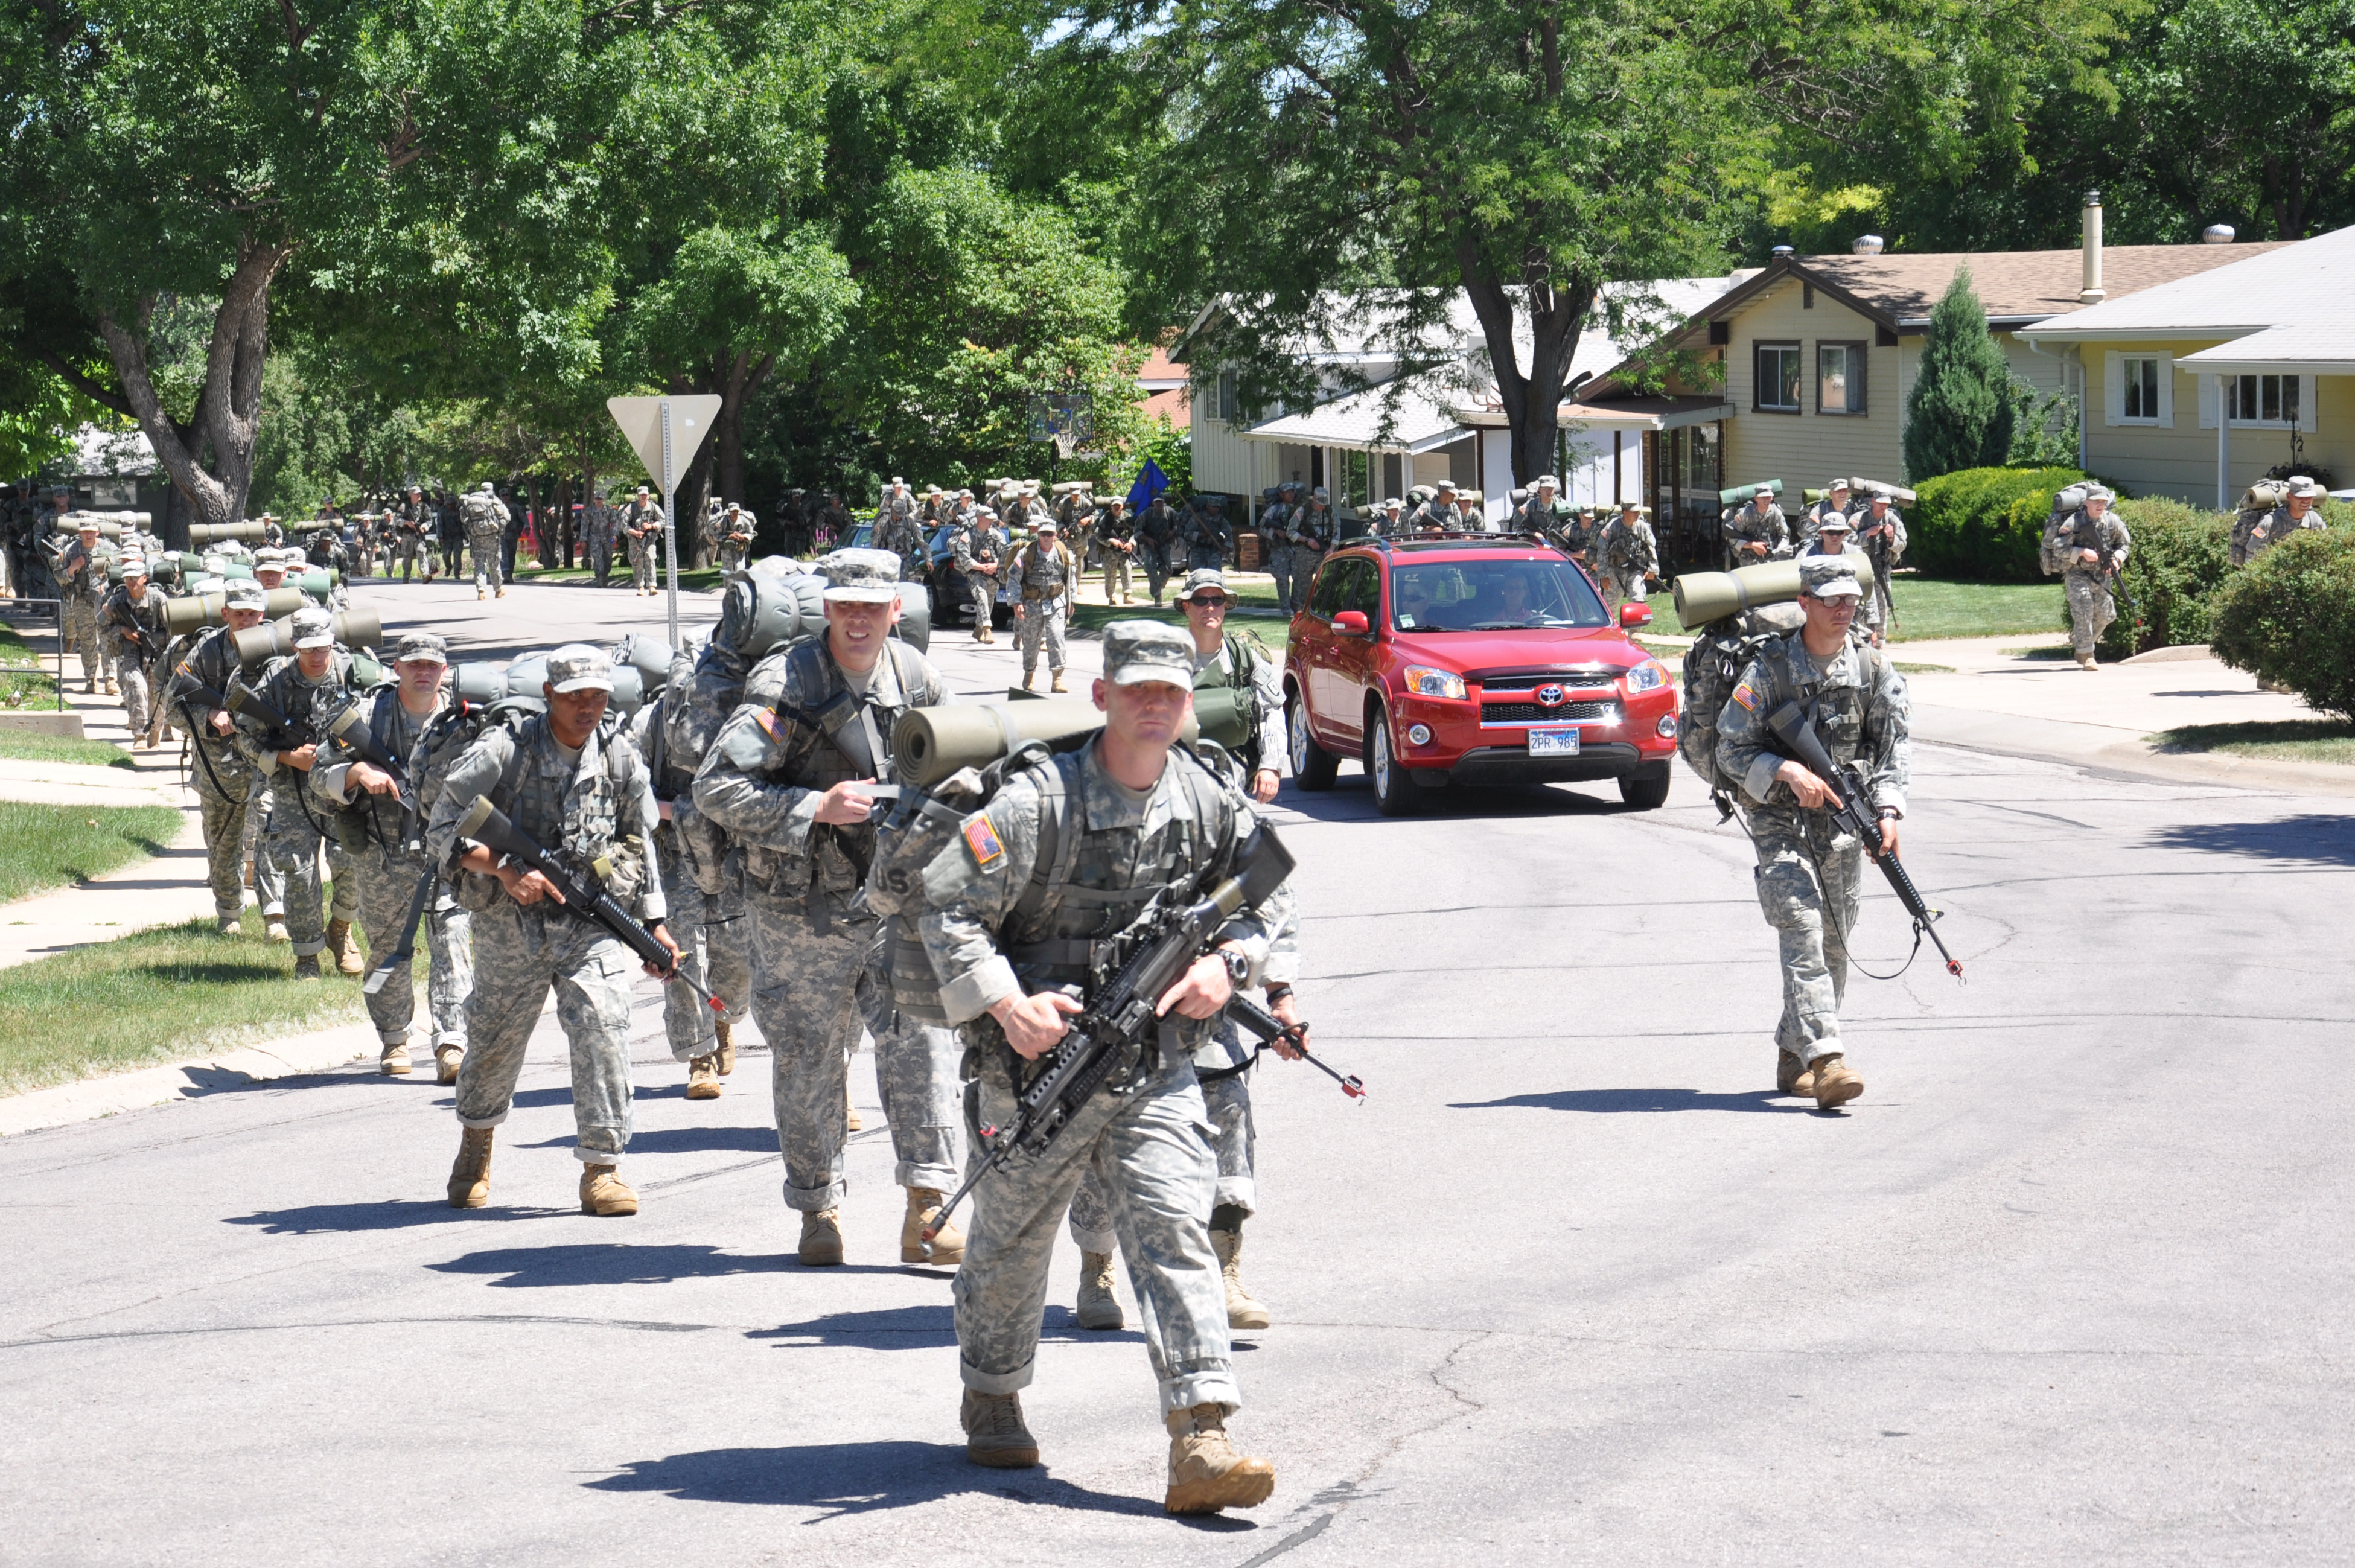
{"points": [[1238, 966]]}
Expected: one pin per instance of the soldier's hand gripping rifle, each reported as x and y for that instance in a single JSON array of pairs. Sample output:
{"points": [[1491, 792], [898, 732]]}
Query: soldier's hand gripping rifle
{"points": [[1119, 1021], [581, 889], [351, 728], [1852, 811], [1269, 1030]]}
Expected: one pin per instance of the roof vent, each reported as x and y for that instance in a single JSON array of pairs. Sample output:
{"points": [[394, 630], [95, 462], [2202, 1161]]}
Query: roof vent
{"points": [[2219, 234], [1781, 252], [1867, 245]]}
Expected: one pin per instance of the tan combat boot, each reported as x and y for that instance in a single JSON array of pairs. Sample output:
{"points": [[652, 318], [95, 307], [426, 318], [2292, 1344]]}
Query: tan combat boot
{"points": [[469, 1178], [1058, 683], [702, 1083], [850, 1120], [945, 1250], [1098, 1307], [394, 1062], [346, 951], [605, 1194], [1836, 1083], [994, 1433], [1030, 679], [273, 929], [228, 925], [1243, 1310], [983, 635], [2086, 662], [447, 1059], [1206, 1473], [821, 1238], [503, 592], [723, 1061], [1790, 1075]]}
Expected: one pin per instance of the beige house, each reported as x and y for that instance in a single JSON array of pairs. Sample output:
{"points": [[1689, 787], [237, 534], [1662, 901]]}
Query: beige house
{"points": [[2195, 388]]}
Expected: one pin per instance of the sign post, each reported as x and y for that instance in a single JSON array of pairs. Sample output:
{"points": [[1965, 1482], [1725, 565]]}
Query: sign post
{"points": [[666, 433]]}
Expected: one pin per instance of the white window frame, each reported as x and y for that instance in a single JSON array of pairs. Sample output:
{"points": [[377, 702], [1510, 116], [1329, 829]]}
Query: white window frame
{"points": [[2113, 390], [2210, 408], [1852, 378], [1759, 349]]}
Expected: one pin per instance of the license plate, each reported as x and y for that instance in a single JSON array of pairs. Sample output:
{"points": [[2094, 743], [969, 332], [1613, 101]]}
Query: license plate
{"points": [[1560, 741]]}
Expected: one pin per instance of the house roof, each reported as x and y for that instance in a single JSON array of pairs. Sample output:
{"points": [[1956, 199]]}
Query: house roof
{"points": [[1421, 421], [2292, 302]]}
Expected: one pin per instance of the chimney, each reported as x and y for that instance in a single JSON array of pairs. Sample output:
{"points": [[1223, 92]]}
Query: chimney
{"points": [[2219, 234], [2092, 292], [1867, 245]]}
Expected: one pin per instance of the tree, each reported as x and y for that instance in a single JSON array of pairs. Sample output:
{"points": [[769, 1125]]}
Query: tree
{"points": [[1960, 413]]}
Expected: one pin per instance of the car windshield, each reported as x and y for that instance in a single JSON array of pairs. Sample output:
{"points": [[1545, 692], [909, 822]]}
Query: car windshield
{"points": [[1492, 595]]}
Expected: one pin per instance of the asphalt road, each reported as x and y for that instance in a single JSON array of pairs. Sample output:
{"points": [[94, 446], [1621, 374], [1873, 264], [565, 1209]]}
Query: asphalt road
{"points": [[2070, 1284]]}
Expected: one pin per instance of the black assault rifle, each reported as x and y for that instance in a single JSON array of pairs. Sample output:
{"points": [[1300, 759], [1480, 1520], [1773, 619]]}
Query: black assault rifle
{"points": [[352, 729], [580, 888], [1117, 1024], [1852, 811]]}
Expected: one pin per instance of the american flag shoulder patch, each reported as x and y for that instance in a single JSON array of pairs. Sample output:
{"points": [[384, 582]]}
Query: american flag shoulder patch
{"points": [[773, 725], [1746, 696], [981, 841]]}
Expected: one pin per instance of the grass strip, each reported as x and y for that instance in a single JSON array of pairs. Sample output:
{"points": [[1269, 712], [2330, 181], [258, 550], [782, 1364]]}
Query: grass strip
{"points": [[153, 996], [2286, 740], [30, 746], [51, 846], [1929, 607]]}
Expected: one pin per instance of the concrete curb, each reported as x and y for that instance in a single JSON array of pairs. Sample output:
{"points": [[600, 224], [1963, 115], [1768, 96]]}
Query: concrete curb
{"points": [[2096, 746], [319, 1051]]}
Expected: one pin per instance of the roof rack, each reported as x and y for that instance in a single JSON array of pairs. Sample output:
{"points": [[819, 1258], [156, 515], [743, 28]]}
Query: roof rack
{"points": [[1457, 537]]}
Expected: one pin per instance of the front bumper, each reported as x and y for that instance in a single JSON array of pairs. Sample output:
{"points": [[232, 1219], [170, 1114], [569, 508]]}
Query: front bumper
{"points": [[1464, 751]]}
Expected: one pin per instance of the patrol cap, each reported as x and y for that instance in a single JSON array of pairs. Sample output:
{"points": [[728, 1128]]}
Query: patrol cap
{"points": [[420, 647], [578, 667], [1829, 577], [134, 566], [1136, 652], [1834, 484], [1833, 523], [487, 487], [898, 483], [985, 513], [1392, 503], [1765, 490], [643, 490], [2300, 486], [1444, 485], [1318, 495], [1203, 577], [861, 576], [2104, 492], [1548, 481], [1043, 525], [243, 593], [314, 628], [86, 525]]}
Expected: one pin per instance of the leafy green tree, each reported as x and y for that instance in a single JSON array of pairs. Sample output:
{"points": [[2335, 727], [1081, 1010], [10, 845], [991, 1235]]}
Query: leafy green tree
{"points": [[1960, 411]]}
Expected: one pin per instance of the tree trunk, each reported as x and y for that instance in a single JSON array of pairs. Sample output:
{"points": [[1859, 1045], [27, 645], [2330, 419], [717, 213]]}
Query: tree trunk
{"points": [[1532, 403], [562, 532]]}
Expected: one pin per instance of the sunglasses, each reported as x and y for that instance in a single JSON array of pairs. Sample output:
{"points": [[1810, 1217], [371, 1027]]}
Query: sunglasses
{"points": [[1219, 599]]}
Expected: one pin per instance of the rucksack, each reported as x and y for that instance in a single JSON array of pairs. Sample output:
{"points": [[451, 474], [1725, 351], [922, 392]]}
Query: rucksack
{"points": [[1720, 651]]}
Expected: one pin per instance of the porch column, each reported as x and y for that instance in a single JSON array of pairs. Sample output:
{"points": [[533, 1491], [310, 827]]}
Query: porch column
{"points": [[2224, 447]]}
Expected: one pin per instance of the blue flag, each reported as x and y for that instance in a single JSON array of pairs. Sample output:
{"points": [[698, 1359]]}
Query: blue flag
{"points": [[1149, 484]]}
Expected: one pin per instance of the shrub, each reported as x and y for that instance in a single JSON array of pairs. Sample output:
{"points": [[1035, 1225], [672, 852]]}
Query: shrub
{"points": [[2180, 556], [1985, 525], [1960, 413], [2289, 619]]}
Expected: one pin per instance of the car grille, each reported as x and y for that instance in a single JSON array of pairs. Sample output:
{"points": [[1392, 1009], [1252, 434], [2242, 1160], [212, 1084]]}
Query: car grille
{"points": [[1538, 713], [1530, 680]]}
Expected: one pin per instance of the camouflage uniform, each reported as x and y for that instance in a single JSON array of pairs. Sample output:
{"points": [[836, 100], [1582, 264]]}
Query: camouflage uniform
{"points": [[412, 523], [2257, 530], [1310, 532], [1149, 1145], [1042, 583], [1751, 526], [897, 530], [603, 531], [1811, 522], [1204, 530], [1809, 874], [702, 877], [1115, 533], [82, 583], [642, 526], [226, 787], [1156, 535], [486, 523], [1870, 615], [735, 539], [591, 805], [2091, 608], [974, 543], [291, 838], [1882, 539], [1629, 556], [812, 950], [121, 618]]}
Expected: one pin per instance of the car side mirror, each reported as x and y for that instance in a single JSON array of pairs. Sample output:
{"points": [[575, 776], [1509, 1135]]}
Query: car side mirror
{"points": [[1350, 623], [1632, 615]]}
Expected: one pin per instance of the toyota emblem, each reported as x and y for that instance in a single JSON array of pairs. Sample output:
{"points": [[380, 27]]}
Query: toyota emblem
{"points": [[1550, 696]]}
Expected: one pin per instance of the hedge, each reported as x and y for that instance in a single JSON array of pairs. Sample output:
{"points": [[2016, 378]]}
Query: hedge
{"points": [[1985, 525], [2289, 618]]}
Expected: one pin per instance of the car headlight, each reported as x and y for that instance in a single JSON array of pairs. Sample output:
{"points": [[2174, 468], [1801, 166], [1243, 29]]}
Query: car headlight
{"points": [[1650, 675], [1423, 681]]}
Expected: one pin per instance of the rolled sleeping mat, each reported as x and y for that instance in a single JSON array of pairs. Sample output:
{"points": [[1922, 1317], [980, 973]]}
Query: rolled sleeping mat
{"points": [[1741, 493], [212, 533], [526, 676], [1863, 489], [629, 689], [318, 584], [194, 612], [915, 623], [927, 744], [357, 628], [649, 655], [480, 683], [1705, 596]]}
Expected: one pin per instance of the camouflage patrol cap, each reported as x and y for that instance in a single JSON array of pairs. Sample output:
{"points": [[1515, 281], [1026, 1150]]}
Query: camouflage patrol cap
{"points": [[422, 647], [87, 525], [1444, 485], [489, 488], [1044, 525], [243, 593], [2303, 487], [580, 666], [1548, 481], [1392, 503], [861, 576], [1765, 490], [1829, 577], [1136, 652], [1834, 523], [1203, 577], [313, 628], [2104, 492], [134, 566], [1835, 485]]}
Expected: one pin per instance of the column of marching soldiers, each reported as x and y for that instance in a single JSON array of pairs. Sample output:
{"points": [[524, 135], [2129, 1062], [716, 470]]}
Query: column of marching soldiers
{"points": [[731, 795]]}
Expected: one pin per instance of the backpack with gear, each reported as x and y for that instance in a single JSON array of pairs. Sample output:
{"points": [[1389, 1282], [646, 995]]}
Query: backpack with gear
{"points": [[1720, 651]]}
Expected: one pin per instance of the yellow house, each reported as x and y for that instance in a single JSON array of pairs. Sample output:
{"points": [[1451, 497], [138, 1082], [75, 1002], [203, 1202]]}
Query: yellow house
{"points": [[2195, 388]]}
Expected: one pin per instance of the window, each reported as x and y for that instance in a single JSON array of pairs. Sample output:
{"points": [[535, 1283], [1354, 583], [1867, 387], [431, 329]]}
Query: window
{"points": [[1333, 586], [1481, 596], [1777, 387], [1228, 404], [2262, 400], [2138, 388], [1840, 377]]}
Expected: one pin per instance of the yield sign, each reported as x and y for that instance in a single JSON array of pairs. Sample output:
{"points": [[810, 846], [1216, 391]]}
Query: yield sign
{"points": [[640, 420]]}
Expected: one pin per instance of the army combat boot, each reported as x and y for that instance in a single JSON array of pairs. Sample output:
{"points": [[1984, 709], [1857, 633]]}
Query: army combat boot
{"points": [[605, 1194], [306, 966], [447, 1058], [1243, 1310], [850, 1120], [1057, 683], [469, 1178], [1836, 1083], [346, 951], [702, 1083], [1098, 1307], [994, 1433], [821, 1238], [947, 1248], [1790, 1075], [723, 1061], [1206, 1473], [394, 1062]]}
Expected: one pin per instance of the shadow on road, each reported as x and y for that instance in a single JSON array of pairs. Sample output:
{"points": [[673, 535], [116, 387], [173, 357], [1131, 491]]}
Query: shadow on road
{"points": [[864, 1478], [394, 1215], [917, 1327], [1604, 1102], [608, 1263], [685, 1140], [1351, 799], [2322, 840]]}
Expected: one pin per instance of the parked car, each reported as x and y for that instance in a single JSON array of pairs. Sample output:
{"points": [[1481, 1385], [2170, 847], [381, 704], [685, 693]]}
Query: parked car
{"points": [[1472, 659]]}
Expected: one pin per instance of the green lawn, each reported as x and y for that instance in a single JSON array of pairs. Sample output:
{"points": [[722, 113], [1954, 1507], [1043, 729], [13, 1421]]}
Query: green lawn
{"points": [[1931, 608], [158, 996], [25, 681], [51, 846], [26, 746], [2293, 740]]}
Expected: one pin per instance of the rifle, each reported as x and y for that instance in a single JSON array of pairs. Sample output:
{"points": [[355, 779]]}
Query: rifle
{"points": [[1852, 811], [581, 889], [1113, 1030], [408, 947], [353, 730], [1270, 1028], [247, 703]]}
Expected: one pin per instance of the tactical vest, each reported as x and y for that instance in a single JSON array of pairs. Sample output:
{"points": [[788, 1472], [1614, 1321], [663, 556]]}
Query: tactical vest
{"points": [[590, 833], [1231, 716], [1032, 558]]}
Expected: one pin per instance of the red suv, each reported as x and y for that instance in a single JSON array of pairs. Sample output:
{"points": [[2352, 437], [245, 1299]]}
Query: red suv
{"points": [[1475, 659]]}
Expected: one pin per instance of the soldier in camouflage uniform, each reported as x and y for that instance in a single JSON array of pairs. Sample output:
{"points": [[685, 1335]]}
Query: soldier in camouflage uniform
{"points": [[387, 859], [2088, 545], [1157, 539], [1116, 540], [736, 530], [1545, 513], [1436, 514], [1835, 504], [1631, 559], [787, 778], [2257, 528], [1310, 531], [980, 548], [1208, 541], [898, 530], [642, 530], [411, 522], [1757, 531], [81, 582], [1834, 537], [1133, 819], [1881, 535], [308, 687], [487, 525], [226, 787], [1809, 872], [571, 780], [1042, 581], [133, 623]]}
